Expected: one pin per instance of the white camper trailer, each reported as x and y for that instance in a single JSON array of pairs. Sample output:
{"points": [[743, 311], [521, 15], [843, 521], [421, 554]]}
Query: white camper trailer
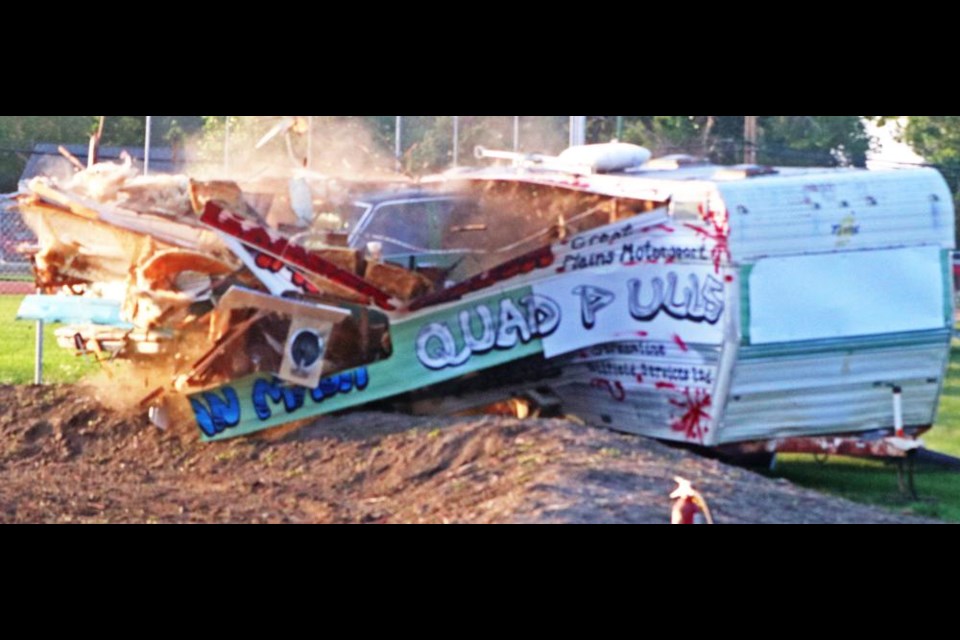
{"points": [[767, 303], [669, 297]]}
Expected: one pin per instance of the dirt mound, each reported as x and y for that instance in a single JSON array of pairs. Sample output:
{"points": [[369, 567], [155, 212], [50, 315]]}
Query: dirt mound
{"points": [[64, 458]]}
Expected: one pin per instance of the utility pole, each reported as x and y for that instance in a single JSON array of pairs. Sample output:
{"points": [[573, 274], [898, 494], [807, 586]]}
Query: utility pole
{"points": [[516, 134], [38, 352], [226, 144], [750, 140], [309, 143], [456, 141], [398, 151], [146, 147], [578, 130]]}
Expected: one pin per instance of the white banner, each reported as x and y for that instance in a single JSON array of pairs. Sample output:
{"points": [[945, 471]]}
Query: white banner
{"points": [[667, 302], [858, 293], [648, 239]]}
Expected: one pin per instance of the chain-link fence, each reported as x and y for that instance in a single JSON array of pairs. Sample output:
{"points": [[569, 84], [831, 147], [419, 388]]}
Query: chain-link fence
{"points": [[15, 272]]}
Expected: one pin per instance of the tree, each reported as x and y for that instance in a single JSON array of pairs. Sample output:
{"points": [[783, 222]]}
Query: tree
{"points": [[167, 130], [19, 134], [823, 141], [784, 140], [427, 141], [937, 139]]}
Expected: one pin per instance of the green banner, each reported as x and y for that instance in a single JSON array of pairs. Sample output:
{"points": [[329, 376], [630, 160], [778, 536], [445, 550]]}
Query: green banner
{"points": [[428, 348]]}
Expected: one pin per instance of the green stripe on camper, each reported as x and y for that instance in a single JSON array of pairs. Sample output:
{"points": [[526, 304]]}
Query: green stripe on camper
{"points": [[745, 272], [946, 264], [850, 345]]}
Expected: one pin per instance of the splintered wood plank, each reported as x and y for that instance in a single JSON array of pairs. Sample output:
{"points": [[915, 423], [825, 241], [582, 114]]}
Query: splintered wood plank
{"points": [[347, 259], [397, 281], [164, 267], [223, 191], [57, 197]]}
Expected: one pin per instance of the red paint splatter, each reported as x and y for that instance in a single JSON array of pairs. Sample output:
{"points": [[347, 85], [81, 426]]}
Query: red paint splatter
{"points": [[728, 279], [666, 385], [680, 343], [694, 404], [642, 334], [264, 261], [664, 227], [300, 281], [616, 390], [719, 231], [639, 378], [268, 263]]}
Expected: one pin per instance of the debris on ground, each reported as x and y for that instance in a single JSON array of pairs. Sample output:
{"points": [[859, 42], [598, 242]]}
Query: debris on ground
{"points": [[66, 458]]}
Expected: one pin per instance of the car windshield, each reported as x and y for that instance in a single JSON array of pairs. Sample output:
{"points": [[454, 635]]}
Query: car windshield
{"points": [[407, 226], [351, 215]]}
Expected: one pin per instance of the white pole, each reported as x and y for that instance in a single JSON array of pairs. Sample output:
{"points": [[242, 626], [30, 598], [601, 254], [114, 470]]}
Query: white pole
{"points": [[309, 142], [516, 134], [38, 353], [456, 141], [399, 133], [226, 144], [146, 147], [898, 412], [578, 130]]}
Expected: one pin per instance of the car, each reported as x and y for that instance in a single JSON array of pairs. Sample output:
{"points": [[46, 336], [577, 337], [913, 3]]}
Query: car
{"points": [[414, 227], [410, 223]]}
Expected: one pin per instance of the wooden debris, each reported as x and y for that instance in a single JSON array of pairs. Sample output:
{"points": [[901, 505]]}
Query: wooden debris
{"points": [[227, 194], [160, 195], [72, 159], [347, 259], [163, 268], [397, 281]]}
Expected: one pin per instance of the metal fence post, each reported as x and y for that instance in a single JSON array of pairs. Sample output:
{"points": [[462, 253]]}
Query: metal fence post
{"points": [[578, 130], [309, 143], [38, 353], [226, 144], [456, 141], [398, 151], [146, 146]]}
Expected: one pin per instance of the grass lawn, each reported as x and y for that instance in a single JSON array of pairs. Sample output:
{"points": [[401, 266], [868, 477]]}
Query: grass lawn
{"points": [[17, 277], [17, 351]]}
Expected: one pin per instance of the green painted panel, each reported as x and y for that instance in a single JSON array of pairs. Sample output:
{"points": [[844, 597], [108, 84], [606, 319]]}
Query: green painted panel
{"points": [[429, 348]]}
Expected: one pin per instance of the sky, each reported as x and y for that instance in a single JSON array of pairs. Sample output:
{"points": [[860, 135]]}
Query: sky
{"points": [[891, 153]]}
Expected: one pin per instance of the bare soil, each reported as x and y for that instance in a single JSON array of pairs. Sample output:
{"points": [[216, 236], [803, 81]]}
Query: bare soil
{"points": [[65, 458]]}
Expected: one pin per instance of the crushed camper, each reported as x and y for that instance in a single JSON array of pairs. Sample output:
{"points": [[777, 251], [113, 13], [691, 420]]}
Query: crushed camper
{"points": [[670, 298]]}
